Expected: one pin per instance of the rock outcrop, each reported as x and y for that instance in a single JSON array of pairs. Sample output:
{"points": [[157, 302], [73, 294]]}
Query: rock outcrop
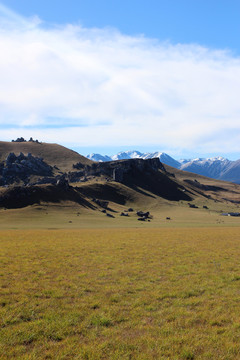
{"points": [[115, 170], [19, 168]]}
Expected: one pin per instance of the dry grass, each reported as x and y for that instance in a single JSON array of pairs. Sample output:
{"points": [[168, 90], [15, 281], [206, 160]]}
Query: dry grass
{"points": [[120, 294]]}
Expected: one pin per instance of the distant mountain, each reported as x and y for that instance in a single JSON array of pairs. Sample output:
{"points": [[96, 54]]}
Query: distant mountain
{"points": [[211, 167], [127, 155], [217, 167], [232, 172], [164, 158], [99, 158]]}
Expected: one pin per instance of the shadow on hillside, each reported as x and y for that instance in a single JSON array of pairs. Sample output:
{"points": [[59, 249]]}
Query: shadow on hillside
{"points": [[156, 182], [20, 196]]}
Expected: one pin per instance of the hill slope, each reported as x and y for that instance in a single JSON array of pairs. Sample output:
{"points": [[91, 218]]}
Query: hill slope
{"points": [[52, 154]]}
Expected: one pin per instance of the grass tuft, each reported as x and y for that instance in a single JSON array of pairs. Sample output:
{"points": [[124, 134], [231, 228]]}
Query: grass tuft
{"points": [[101, 320]]}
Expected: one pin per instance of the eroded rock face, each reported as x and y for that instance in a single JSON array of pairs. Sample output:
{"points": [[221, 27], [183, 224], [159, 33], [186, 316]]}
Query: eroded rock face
{"points": [[62, 183], [19, 168], [116, 170], [112, 170]]}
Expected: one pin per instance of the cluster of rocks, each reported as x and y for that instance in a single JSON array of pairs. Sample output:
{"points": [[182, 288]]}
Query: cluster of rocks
{"points": [[18, 168], [21, 139], [60, 180], [193, 206], [125, 213], [143, 216]]}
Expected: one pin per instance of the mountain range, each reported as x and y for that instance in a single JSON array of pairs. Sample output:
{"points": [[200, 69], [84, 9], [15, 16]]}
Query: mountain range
{"points": [[216, 168]]}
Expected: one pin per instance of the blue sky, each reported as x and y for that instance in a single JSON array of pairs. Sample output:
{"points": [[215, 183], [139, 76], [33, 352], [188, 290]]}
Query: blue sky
{"points": [[105, 76], [213, 23]]}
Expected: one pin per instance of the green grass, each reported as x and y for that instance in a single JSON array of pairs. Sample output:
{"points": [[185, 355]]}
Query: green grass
{"points": [[164, 293]]}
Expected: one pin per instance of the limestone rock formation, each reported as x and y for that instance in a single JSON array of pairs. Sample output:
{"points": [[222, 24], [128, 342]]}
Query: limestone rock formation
{"points": [[18, 168]]}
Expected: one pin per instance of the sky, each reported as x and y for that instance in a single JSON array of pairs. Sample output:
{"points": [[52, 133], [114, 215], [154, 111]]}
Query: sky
{"points": [[108, 76]]}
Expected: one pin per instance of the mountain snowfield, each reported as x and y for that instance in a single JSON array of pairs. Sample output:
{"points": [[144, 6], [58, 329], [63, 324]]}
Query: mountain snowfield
{"points": [[217, 167]]}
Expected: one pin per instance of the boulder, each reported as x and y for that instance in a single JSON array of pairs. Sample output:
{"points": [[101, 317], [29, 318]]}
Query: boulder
{"points": [[110, 215], [143, 214]]}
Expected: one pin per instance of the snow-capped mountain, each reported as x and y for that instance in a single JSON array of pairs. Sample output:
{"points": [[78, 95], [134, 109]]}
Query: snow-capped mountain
{"points": [[163, 157], [217, 167], [232, 172], [124, 155], [98, 157], [127, 155], [211, 167]]}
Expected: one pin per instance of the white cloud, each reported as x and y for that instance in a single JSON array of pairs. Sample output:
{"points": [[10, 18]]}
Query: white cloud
{"points": [[99, 87]]}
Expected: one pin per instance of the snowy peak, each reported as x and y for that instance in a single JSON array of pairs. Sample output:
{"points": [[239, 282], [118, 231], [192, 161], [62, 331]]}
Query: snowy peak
{"points": [[219, 159], [211, 167], [124, 155], [98, 157], [152, 155], [133, 154]]}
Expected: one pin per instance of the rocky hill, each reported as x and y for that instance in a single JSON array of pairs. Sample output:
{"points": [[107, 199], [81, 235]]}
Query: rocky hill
{"points": [[53, 154]]}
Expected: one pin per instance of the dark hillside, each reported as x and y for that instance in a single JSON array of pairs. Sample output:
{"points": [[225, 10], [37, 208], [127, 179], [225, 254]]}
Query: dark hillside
{"points": [[147, 177], [21, 196]]}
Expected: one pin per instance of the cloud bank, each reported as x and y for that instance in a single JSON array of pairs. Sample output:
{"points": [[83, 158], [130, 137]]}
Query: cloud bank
{"points": [[98, 87]]}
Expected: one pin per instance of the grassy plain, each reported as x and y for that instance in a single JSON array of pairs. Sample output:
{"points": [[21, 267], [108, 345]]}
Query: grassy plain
{"points": [[120, 293], [69, 215]]}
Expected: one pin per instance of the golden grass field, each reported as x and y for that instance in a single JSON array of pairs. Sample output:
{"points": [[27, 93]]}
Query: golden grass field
{"points": [[120, 293]]}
